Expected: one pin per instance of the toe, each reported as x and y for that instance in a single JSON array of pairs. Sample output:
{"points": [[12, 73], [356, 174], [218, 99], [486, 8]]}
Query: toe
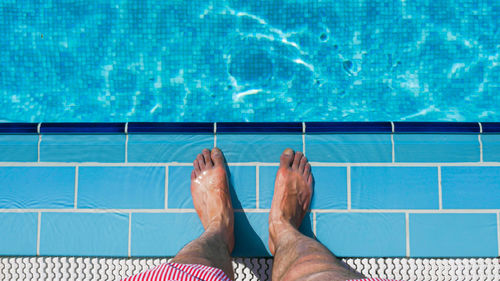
{"points": [[302, 164], [201, 161], [206, 157], [217, 157], [296, 160], [310, 180], [286, 158], [193, 175], [307, 170], [197, 169]]}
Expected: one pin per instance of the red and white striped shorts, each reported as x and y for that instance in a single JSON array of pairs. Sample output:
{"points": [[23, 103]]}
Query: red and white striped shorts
{"points": [[180, 272], [191, 272]]}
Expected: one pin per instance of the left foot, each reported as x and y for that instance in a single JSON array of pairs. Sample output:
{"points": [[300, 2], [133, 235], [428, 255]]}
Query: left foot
{"points": [[211, 197]]}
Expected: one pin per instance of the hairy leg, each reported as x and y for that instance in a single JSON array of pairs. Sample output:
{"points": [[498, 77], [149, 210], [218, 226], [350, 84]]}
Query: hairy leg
{"points": [[296, 256], [212, 201]]}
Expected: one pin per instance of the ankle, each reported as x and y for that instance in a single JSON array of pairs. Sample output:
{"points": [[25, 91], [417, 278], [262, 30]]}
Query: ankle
{"points": [[225, 234], [280, 231]]}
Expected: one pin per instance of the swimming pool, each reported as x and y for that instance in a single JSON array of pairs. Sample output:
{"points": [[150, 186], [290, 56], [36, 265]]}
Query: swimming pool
{"points": [[119, 61]]}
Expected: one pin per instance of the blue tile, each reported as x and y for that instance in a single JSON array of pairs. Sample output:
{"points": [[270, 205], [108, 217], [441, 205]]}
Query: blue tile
{"points": [[453, 235], [163, 234], [348, 127], [436, 148], [167, 148], [121, 187], [84, 234], [170, 127], [243, 182], [257, 147], [37, 187], [267, 176], [179, 187], [349, 147], [19, 234], [259, 127], [491, 148], [18, 148], [436, 127], [394, 188], [18, 128], [82, 148], [471, 187], [329, 190], [251, 234], [362, 234], [242, 187], [82, 127]]}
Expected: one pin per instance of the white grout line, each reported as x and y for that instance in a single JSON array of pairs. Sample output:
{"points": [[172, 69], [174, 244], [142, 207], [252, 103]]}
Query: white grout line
{"points": [[480, 127], [80, 210], [314, 223], [392, 143], [76, 186], [38, 233], [129, 232], [498, 232], [257, 178], [166, 187], [126, 148], [38, 147], [318, 164], [304, 138], [348, 188], [407, 219], [480, 148], [417, 211], [215, 134], [440, 189], [393, 149]]}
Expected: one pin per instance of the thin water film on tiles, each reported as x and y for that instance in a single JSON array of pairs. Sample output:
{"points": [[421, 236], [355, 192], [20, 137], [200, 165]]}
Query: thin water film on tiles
{"points": [[238, 60]]}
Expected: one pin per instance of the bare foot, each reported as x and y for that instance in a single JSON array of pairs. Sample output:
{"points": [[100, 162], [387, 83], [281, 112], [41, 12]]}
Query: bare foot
{"points": [[211, 197], [292, 195]]}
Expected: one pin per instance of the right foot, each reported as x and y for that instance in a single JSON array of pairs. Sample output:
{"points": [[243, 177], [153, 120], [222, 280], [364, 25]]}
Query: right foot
{"points": [[292, 195], [211, 197]]}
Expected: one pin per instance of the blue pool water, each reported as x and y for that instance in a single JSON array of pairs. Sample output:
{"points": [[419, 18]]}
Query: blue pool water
{"points": [[235, 60]]}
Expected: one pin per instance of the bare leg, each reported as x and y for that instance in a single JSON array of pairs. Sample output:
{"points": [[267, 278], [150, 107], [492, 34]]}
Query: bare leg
{"points": [[296, 256], [212, 201]]}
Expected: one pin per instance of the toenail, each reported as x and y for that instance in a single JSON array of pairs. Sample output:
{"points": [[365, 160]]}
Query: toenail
{"points": [[288, 151]]}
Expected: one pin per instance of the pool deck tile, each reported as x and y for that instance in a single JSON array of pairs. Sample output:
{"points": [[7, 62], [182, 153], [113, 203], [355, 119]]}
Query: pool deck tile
{"points": [[436, 148], [453, 235], [18, 234], [121, 187], [394, 188], [37, 187], [84, 234], [82, 148], [18, 148], [363, 234], [471, 187], [342, 148]]}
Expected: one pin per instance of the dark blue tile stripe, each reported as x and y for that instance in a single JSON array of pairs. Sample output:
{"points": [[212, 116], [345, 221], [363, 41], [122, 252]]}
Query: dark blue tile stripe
{"points": [[254, 127], [348, 127], [82, 128], [259, 127], [18, 128], [491, 127], [170, 127], [436, 127]]}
